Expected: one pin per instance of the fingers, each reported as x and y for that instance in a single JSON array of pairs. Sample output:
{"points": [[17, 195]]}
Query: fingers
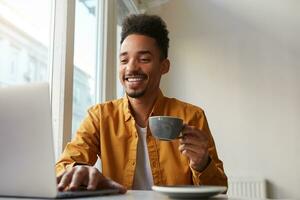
{"points": [[192, 131], [59, 178], [65, 179], [195, 152], [198, 149], [115, 185], [87, 176], [193, 140], [198, 161], [194, 144], [94, 179], [108, 183], [97, 180], [190, 154], [79, 178]]}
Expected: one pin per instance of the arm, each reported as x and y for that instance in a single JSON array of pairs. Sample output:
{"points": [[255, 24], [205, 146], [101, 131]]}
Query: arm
{"points": [[75, 167], [198, 145], [85, 147]]}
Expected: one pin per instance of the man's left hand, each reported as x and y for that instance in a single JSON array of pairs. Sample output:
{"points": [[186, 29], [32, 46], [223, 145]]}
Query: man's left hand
{"points": [[194, 145]]}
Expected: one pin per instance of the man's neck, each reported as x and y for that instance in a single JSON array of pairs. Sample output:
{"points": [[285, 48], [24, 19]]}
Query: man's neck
{"points": [[141, 108]]}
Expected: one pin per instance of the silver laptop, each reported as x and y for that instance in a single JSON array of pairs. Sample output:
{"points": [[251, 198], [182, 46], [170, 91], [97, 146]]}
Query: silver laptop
{"points": [[26, 144]]}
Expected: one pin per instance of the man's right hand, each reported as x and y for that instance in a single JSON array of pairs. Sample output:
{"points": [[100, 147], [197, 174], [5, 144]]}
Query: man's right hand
{"points": [[87, 176]]}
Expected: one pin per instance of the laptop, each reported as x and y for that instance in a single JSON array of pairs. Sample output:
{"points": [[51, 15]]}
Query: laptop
{"points": [[27, 158]]}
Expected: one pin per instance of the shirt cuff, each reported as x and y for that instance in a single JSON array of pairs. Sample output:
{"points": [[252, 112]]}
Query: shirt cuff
{"points": [[60, 169], [206, 176]]}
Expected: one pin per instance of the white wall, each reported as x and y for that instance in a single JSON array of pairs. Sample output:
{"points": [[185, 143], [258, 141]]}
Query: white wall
{"points": [[240, 61]]}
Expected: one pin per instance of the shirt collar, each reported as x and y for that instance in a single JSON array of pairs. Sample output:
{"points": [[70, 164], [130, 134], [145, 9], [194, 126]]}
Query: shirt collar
{"points": [[158, 105], [126, 109], [156, 110]]}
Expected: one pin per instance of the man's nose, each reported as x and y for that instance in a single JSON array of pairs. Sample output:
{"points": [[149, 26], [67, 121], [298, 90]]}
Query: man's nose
{"points": [[132, 65]]}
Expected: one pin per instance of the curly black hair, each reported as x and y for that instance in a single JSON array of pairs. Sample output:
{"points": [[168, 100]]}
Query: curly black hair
{"points": [[149, 25]]}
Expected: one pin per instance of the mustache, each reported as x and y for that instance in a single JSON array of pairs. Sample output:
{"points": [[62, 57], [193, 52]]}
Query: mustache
{"points": [[135, 74]]}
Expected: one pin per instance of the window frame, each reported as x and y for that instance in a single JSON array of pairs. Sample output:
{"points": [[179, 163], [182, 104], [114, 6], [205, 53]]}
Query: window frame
{"points": [[62, 63], [61, 74]]}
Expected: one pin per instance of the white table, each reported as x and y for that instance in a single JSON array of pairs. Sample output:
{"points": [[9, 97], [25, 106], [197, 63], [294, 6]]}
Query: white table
{"points": [[137, 195], [151, 195], [146, 195]]}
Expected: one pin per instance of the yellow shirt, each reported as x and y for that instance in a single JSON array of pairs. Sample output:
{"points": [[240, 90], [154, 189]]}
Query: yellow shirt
{"points": [[109, 132]]}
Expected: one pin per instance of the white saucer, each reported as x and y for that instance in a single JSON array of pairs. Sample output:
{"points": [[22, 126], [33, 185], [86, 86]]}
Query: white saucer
{"points": [[189, 191]]}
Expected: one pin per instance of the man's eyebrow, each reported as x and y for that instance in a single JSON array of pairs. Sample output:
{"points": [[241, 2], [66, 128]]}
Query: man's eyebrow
{"points": [[140, 53], [123, 54], [145, 52]]}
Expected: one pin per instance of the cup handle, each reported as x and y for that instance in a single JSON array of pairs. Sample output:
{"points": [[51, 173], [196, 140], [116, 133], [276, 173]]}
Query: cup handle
{"points": [[181, 134], [180, 137]]}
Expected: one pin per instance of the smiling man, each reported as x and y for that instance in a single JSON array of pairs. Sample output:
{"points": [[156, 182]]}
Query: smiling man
{"points": [[117, 131]]}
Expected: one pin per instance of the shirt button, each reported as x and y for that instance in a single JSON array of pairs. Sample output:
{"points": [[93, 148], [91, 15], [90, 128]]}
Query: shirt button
{"points": [[133, 163], [154, 164]]}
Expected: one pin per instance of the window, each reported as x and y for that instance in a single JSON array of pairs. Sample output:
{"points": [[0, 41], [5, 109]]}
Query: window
{"points": [[124, 8], [95, 80], [24, 41], [85, 83], [72, 47]]}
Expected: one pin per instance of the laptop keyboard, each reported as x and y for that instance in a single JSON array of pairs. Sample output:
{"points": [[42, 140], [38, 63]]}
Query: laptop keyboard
{"points": [[85, 193]]}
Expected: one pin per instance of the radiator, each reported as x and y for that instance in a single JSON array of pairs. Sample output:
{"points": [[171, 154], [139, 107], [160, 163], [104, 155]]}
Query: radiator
{"points": [[247, 187]]}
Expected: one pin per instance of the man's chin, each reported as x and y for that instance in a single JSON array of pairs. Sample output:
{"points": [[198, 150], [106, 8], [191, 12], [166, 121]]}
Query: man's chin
{"points": [[135, 94]]}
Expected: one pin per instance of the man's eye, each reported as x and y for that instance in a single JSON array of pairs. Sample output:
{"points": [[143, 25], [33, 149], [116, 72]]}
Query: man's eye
{"points": [[123, 61], [145, 60]]}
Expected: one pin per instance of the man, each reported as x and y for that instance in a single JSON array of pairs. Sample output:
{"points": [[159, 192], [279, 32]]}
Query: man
{"points": [[117, 131]]}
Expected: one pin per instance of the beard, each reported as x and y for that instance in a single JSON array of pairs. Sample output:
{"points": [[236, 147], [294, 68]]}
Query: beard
{"points": [[136, 93]]}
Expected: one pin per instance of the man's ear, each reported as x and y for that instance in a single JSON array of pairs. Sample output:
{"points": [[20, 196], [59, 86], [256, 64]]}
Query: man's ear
{"points": [[165, 66]]}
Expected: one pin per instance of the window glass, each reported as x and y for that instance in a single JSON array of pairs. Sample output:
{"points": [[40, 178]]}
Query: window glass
{"points": [[24, 41], [122, 12], [85, 52]]}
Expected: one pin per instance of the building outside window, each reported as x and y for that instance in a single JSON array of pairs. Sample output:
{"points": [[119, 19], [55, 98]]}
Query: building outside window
{"points": [[32, 50], [24, 48], [24, 41], [85, 57]]}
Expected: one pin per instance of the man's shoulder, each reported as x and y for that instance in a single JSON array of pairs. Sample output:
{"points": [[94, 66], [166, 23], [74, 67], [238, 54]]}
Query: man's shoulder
{"points": [[107, 107]]}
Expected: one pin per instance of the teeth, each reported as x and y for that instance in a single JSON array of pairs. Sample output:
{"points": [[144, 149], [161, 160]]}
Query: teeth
{"points": [[135, 79]]}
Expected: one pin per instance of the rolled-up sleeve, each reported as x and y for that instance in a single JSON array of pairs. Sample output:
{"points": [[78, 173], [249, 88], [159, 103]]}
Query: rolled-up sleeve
{"points": [[214, 173], [85, 147]]}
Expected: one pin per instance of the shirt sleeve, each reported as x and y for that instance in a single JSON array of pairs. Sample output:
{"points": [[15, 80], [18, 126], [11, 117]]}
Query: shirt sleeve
{"points": [[214, 173], [85, 147]]}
